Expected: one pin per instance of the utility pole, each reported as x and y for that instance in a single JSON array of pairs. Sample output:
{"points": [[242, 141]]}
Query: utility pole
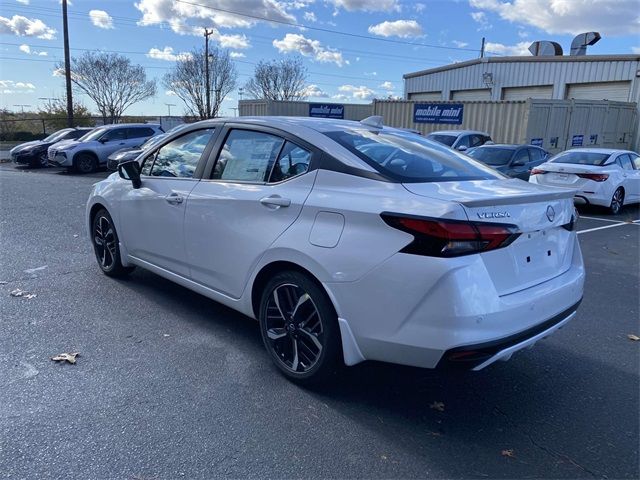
{"points": [[67, 64], [206, 70], [169, 105], [21, 105], [235, 111], [482, 48]]}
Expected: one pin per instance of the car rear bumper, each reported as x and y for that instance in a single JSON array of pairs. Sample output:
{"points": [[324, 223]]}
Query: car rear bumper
{"points": [[414, 310], [591, 193]]}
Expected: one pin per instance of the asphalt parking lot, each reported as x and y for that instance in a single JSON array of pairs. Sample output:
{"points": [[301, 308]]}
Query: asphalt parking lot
{"points": [[170, 384]]}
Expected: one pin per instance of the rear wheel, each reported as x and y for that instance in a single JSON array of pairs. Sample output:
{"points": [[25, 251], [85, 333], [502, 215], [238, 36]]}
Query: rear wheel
{"points": [[106, 246], [300, 328], [86, 163], [617, 201]]}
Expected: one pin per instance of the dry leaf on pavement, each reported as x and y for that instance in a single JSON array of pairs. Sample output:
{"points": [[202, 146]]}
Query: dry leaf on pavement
{"points": [[69, 357], [633, 337], [508, 453], [22, 293], [437, 406]]}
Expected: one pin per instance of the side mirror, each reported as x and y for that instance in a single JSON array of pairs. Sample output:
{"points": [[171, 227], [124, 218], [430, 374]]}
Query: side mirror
{"points": [[518, 163], [462, 148], [130, 170]]}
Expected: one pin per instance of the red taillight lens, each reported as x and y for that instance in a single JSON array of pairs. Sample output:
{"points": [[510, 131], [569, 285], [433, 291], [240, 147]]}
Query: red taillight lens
{"points": [[596, 177], [451, 238], [537, 171]]}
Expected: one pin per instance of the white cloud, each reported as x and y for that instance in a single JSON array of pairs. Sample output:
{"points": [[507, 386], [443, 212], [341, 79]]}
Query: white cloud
{"points": [[169, 93], [293, 42], [101, 19], [27, 49], [372, 74], [26, 27], [24, 2], [481, 19], [192, 17], [237, 55], [419, 7], [10, 86], [636, 50], [341, 96], [167, 54], [523, 34], [310, 17], [519, 49], [610, 17], [367, 5], [314, 91], [387, 85], [360, 92], [397, 28], [460, 44]]}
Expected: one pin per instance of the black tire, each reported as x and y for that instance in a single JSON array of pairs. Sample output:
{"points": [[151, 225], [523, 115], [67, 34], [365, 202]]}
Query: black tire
{"points": [[303, 342], [617, 201], [104, 239], [39, 161], [85, 163]]}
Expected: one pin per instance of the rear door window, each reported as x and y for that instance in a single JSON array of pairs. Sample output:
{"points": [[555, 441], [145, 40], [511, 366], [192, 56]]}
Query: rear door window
{"points": [[635, 159], [115, 134], [247, 156], [292, 161], [521, 155], [139, 132], [625, 162], [535, 154], [477, 140]]}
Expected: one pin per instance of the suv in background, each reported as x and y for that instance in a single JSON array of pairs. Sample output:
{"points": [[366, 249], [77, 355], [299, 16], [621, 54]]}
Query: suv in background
{"points": [[460, 139], [89, 152], [34, 153]]}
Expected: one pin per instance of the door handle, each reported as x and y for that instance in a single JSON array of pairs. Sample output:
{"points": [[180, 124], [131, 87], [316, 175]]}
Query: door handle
{"points": [[275, 201], [174, 198]]}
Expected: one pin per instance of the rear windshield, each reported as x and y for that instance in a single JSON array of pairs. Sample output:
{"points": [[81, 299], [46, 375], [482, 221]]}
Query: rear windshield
{"points": [[581, 158], [447, 140], [407, 157], [491, 156]]}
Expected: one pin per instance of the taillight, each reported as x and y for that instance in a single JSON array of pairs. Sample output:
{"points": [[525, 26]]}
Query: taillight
{"points": [[537, 171], [596, 177], [451, 238]]}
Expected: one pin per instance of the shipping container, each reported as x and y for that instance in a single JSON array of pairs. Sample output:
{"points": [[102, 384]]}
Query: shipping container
{"points": [[347, 111]]}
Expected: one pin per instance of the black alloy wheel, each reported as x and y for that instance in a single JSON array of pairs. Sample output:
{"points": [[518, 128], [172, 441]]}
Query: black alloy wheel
{"points": [[105, 245]]}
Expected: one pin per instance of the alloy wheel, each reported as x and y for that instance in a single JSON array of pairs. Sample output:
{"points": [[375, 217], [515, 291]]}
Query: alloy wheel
{"points": [[294, 328], [616, 201], [104, 240]]}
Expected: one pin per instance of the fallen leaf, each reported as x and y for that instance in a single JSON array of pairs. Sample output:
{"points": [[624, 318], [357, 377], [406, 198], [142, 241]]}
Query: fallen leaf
{"points": [[508, 453], [22, 293], [76, 235], [69, 357], [165, 335], [29, 296], [633, 337], [437, 406], [3, 282]]}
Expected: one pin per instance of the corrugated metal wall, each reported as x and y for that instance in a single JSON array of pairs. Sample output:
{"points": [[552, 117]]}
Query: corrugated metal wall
{"points": [[504, 121], [352, 111]]}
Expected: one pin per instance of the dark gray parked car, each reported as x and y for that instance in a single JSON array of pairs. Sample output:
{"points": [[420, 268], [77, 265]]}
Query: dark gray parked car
{"points": [[512, 160]]}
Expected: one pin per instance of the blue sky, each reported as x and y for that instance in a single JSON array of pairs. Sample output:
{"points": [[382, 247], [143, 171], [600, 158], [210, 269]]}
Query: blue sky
{"points": [[401, 36]]}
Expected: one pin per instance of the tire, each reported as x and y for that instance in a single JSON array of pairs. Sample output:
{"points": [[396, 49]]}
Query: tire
{"points": [[105, 245], [85, 163], [617, 201], [303, 342]]}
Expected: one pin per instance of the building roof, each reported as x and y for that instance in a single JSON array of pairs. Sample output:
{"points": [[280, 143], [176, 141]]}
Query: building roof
{"points": [[526, 59]]}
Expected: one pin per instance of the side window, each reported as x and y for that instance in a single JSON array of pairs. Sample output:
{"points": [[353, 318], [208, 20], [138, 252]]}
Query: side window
{"points": [[522, 155], [464, 141], [115, 134], [477, 140], [247, 156], [292, 161], [535, 154], [625, 162], [139, 132], [635, 159], [179, 158]]}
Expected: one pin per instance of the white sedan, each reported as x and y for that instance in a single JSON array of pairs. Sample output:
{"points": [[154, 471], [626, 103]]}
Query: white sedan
{"points": [[347, 241], [598, 176]]}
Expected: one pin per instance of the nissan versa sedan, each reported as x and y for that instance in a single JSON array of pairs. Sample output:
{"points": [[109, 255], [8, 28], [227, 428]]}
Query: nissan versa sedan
{"points": [[598, 176], [417, 255]]}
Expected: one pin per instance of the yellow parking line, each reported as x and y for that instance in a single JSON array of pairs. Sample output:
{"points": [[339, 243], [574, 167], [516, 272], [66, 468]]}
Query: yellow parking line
{"points": [[606, 226]]}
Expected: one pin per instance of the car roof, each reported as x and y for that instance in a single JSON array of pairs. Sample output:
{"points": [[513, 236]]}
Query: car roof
{"points": [[607, 151], [509, 146], [457, 132], [116, 125]]}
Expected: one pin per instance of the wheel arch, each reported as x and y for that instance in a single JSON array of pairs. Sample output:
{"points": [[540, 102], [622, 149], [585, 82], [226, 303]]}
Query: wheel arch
{"points": [[84, 152]]}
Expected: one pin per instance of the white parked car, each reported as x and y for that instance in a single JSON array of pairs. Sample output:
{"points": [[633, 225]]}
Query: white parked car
{"points": [[420, 256], [461, 140], [598, 176]]}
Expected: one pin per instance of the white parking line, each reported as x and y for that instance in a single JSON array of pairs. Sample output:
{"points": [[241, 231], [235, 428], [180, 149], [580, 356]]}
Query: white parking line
{"points": [[606, 226], [601, 219]]}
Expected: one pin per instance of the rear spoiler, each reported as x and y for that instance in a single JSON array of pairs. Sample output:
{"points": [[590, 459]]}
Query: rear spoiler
{"points": [[552, 194]]}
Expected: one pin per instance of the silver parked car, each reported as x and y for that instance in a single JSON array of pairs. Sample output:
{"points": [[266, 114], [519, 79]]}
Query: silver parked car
{"points": [[460, 139], [89, 152]]}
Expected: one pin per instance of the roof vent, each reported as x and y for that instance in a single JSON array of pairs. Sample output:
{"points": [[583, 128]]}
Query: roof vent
{"points": [[545, 48], [374, 121], [582, 41]]}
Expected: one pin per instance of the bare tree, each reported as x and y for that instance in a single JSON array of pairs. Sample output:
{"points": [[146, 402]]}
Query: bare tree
{"points": [[187, 81], [111, 81], [278, 80], [54, 113]]}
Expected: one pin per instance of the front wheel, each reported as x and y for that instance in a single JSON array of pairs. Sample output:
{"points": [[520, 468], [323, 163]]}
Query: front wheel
{"points": [[106, 246], [86, 163], [617, 201], [299, 328]]}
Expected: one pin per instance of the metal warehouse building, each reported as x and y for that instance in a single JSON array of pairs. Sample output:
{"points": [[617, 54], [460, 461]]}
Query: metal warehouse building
{"points": [[579, 77]]}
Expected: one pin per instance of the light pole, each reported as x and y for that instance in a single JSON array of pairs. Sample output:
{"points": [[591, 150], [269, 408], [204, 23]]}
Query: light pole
{"points": [[235, 111], [169, 105]]}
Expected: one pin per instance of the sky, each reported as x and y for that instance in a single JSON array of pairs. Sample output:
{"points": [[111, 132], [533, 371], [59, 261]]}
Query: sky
{"points": [[354, 50]]}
